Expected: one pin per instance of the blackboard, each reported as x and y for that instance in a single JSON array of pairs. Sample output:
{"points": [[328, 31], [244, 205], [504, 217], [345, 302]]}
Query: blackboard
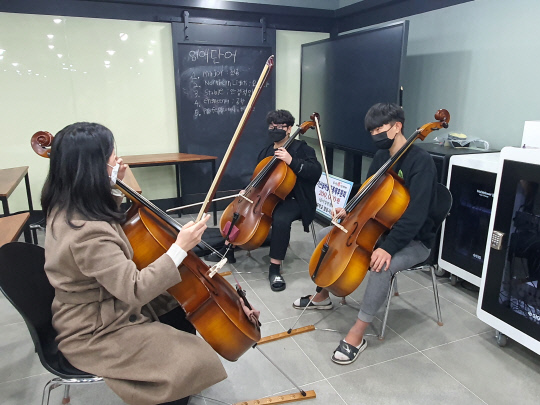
{"points": [[341, 78], [215, 85]]}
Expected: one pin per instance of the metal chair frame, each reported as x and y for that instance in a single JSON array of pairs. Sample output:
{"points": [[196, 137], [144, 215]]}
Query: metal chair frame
{"points": [[393, 291], [67, 383], [444, 202]]}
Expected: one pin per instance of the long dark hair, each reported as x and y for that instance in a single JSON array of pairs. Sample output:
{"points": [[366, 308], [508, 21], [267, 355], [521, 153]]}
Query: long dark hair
{"points": [[78, 181]]}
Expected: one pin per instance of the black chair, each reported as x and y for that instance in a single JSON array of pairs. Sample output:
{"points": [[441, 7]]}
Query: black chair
{"points": [[442, 206], [25, 285]]}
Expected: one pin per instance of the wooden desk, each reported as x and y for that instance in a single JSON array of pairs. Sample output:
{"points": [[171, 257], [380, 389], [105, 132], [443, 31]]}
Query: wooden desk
{"points": [[9, 180], [176, 159], [12, 226]]}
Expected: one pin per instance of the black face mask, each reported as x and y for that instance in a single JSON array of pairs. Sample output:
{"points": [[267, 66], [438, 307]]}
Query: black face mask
{"points": [[382, 141], [277, 135]]}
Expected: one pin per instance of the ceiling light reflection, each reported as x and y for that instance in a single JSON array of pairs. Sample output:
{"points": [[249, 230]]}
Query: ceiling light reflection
{"points": [[51, 46], [59, 55], [123, 36], [2, 51], [57, 20], [111, 52], [50, 36]]}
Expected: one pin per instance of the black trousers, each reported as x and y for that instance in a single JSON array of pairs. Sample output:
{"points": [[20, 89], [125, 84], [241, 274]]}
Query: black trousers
{"points": [[177, 319], [285, 213]]}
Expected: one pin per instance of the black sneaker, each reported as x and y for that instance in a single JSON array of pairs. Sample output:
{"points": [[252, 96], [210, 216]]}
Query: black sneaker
{"points": [[217, 256]]}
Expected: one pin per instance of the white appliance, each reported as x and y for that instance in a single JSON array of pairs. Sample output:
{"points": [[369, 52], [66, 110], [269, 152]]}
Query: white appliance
{"points": [[509, 297], [531, 135], [471, 180]]}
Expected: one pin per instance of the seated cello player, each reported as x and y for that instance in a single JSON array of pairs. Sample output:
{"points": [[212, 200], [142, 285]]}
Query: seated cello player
{"points": [[408, 242], [299, 204], [113, 320]]}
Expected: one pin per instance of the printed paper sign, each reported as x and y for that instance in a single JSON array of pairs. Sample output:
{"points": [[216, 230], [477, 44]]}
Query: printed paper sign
{"points": [[341, 189]]}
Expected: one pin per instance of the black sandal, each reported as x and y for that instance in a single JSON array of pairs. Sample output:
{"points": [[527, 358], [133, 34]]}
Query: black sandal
{"points": [[277, 282], [348, 350]]}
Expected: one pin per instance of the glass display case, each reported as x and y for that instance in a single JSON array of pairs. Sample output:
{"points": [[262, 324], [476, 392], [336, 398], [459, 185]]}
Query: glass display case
{"points": [[510, 295], [471, 180]]}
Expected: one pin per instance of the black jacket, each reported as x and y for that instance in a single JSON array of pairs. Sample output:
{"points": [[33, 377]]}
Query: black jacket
{"points": [[418, 170], [308, 171]]}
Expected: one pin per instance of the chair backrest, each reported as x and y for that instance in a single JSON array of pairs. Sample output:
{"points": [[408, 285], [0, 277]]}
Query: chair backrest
{"points": [[24, 283], [443, 204]]}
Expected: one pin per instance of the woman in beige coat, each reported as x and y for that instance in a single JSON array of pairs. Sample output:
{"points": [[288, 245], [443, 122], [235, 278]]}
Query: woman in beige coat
{"points": [[113, 320]]}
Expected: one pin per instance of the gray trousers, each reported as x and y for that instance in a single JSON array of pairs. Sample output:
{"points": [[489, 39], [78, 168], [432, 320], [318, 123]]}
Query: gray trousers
{"points": [[379, 283]]}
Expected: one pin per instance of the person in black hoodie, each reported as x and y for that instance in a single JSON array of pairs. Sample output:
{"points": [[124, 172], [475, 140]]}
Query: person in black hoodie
{"points": [[299, 204], [410, 240]]}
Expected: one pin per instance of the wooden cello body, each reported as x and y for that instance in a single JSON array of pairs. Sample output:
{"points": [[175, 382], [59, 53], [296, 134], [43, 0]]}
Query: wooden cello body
{"points": [[212, 305], [341, 261], [247, 224], [349, 254], [255, 219]]}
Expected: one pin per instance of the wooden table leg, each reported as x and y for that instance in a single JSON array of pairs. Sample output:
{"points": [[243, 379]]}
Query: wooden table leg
{"points": [[5, 206], [31, 209], [178, 197]]}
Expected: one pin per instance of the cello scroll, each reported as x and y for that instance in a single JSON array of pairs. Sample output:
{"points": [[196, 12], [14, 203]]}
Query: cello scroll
{"points": [[443, 118], [41, 143]]}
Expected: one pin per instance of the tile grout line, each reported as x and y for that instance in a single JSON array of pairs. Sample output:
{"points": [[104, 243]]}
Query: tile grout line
{"points": [[325, 378], [452, 302], [454, 341], [454, 378], [372, 365], [27, 377], [314, 382], [443, 344], [13, 323]]}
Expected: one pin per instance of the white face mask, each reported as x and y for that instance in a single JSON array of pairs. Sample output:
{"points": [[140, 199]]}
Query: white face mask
{"points": [[114, 173]]}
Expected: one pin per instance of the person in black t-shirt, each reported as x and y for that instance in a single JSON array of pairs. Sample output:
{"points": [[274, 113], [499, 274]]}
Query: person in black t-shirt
{"points": [[410, 240], [299, 204]]}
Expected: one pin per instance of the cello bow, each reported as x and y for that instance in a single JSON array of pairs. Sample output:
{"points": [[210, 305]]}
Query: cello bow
{"points": [[263, 78]]}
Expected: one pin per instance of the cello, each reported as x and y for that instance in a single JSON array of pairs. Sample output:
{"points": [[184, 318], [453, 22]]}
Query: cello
{"points": [[341, 261], [246, 221], [211, 304], [215, 308]]}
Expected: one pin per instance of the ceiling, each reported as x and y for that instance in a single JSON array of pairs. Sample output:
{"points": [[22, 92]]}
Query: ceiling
{"points": [[321, 4]]}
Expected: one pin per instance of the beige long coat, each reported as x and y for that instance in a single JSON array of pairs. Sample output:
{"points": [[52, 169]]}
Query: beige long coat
{"points": [[104, 325]]}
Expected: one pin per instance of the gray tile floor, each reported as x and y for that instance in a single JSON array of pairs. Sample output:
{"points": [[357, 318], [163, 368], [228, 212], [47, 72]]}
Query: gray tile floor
{"points": [[417, 363]]}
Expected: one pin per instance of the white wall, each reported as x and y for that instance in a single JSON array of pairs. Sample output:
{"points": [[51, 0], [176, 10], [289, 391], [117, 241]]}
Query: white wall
{"points": [[288, 63], [42, 91], [288, 58], [136, 100], [479, 60]]}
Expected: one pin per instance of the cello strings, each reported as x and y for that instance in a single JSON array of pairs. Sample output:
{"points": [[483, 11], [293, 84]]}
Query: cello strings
{"points": [[167, 218]]}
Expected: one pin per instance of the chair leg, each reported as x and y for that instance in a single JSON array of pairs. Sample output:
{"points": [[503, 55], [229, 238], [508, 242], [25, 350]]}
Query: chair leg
{"points": [[436, 295], [390, 293], [51, 385], [396, 292], [66, 398], [313, 234]]}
